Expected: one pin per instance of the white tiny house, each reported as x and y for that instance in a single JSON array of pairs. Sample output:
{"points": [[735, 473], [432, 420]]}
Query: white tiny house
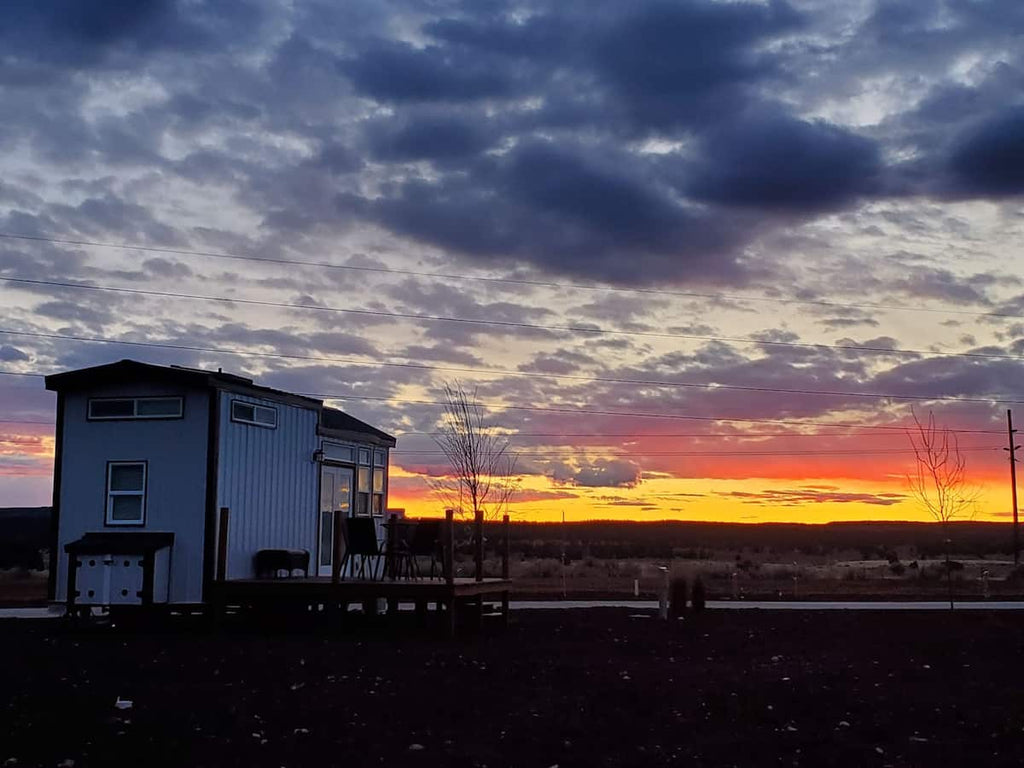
{"points": [[146, 456]]}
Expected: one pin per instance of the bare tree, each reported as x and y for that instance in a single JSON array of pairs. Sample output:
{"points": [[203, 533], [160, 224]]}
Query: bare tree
{"points": [[482, 475], [939, 481]]}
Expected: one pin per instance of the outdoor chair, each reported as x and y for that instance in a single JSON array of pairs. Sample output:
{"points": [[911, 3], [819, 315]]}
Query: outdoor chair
{"points": [[361, 547], [270, 562], [426, 542], [398, 544]]}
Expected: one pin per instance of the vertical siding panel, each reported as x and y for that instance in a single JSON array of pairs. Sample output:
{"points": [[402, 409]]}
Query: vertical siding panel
{"points": [[269, 481]]}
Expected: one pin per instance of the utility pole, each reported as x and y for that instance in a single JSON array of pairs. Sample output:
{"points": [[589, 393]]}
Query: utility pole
{"points": [[1012, 450]]}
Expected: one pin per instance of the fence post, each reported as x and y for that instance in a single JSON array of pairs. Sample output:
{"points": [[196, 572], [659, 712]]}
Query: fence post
{"points": [[222, 544], [478, 534], [663, 594], [449, 546], [390, 539], [505, 571]]}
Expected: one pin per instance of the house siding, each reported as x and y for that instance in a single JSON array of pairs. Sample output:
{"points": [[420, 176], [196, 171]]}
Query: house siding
{"points": [[175, 452], [269, 481]]}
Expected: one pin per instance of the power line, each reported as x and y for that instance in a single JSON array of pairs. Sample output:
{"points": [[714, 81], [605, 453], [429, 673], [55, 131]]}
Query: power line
{"points": [[646, 435], [507, 323], [506, 371], [487, 279], [635, 414], [731, 454], [630, 414]]}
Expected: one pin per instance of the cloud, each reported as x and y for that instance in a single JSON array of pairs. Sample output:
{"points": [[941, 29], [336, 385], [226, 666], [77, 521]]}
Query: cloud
{"points": [[9, 354], [597, 473], [778, 163], [810, 495], [988, 160], [435, 137], [565, 210]]}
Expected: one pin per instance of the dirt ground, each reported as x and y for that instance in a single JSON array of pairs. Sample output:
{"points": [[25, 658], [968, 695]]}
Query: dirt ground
{"points": [[597, 687]]}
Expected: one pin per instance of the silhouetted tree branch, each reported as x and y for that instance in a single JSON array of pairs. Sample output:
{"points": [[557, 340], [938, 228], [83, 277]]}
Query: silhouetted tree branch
{"points": [[939, 481], [482, 475]]}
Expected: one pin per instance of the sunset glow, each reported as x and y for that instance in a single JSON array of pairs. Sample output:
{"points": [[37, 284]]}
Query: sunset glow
{"points": [[697, 260]]}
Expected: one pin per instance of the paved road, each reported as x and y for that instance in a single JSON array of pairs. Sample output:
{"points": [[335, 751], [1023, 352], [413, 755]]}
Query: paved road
{"points": [[652, 605], [789, 605]]}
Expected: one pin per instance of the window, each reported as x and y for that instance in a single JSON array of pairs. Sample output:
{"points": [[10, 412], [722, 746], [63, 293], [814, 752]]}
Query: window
{"points": [[257, 415], [126, 493], [364, 455], [363, 491], [379, 458], [338, 452], [135, 408]]}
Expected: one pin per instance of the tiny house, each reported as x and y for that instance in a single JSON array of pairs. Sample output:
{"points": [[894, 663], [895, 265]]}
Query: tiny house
{"points": [[147, 455]]}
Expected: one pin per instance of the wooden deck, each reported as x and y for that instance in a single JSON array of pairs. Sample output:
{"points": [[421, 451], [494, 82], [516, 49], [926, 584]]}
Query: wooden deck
{"points": [[332, 595], [450, 597], [357, 590]]}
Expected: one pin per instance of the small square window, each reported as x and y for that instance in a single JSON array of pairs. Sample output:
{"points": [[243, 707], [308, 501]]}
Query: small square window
{"points": [[364, 455], [379, 458], [126, 493]]}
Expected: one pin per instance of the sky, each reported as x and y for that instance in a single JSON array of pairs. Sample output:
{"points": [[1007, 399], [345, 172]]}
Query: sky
{"points": [[698, 259]]}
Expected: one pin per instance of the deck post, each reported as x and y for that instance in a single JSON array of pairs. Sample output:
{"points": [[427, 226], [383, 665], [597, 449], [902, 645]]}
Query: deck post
{"points": [[449, 546], [222, 543], [478, 537], [337, 544], [449, 569], [390, 539], [505, 571]]}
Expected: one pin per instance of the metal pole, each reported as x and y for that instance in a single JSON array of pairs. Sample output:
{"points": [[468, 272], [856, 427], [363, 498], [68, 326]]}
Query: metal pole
{"points": [[1013, 484], [563, 555]]}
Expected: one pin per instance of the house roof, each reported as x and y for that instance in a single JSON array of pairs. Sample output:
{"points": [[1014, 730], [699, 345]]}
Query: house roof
{"points": [[120, 542], [332, 421], [132, 370]]}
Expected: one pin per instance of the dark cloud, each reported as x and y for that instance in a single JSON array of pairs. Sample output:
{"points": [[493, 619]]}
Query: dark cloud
{"points": [[568, 211], [596, 473], [396, 71], [988, 160], [811, 495], [9, 354], [672, 64], [427, 137], [776, 162]]}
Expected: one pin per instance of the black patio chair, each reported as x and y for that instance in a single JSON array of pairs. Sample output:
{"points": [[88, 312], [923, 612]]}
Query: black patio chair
{"points": [[270, 562], [398, 549], [361, 543], [426, 542]]}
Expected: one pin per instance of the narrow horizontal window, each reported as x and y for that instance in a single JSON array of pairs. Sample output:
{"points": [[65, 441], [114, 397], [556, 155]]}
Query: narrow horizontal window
{"points": [[135, 408], [338, 452], [250, 413]]}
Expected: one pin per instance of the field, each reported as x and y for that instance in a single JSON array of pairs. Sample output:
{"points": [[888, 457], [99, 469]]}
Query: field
{"points": [[601, 559], [597, 687]]}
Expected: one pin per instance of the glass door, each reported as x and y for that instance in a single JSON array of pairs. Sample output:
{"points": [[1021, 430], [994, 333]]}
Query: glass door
{"points": [[335, 505]]}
